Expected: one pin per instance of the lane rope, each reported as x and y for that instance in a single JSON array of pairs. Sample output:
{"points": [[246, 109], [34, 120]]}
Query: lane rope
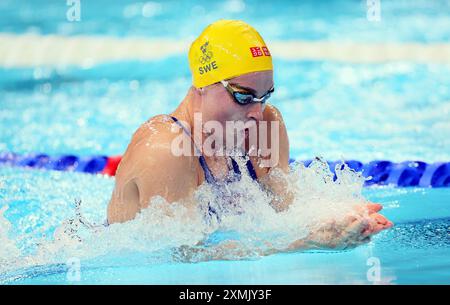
{"points": [[382, 172]]}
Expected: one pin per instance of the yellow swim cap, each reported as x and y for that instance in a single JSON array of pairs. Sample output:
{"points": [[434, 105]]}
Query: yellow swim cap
{"points": [[225, 49]]}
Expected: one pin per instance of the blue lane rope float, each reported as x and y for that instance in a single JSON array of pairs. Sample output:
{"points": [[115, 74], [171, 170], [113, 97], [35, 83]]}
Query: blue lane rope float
{"points": [[382, 172], [88, 164]]}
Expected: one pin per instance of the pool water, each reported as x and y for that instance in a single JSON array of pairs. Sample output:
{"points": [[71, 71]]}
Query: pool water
{"points": [[421, 21], [338, 110], [415, 251]]}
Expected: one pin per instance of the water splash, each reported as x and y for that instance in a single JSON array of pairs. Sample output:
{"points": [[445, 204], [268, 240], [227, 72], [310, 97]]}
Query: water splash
{"points": [[248, 224], [8, 251]]}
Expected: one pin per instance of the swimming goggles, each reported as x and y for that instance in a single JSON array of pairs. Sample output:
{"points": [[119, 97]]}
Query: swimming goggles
{"points": [[246, 98]]}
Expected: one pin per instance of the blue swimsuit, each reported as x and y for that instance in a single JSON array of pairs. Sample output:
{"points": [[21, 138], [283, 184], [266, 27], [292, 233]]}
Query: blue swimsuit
{"points": [[217, 185]]}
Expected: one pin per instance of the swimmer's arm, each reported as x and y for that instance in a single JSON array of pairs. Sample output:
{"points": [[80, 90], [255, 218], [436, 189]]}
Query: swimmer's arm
{"points": [[147, 171], [349, 232], [352, 231]]}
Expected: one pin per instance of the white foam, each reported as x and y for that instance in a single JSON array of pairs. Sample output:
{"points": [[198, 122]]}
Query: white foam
{"points": [[8, 250], [244, 208]]}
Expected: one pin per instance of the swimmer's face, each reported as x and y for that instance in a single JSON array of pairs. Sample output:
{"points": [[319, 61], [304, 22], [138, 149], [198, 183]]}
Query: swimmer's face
{"points": [[219, 105]]}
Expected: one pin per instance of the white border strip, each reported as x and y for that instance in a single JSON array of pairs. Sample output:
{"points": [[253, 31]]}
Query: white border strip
{"points": [[31, 50]]}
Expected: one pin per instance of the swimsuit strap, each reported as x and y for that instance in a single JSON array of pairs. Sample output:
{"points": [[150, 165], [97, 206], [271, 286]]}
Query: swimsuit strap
{"points": [[208, 174], [251, 170], [248, 164]]}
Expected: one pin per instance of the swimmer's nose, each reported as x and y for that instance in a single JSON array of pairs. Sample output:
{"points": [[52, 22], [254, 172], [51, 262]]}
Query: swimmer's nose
{"points": [[255, 112]]}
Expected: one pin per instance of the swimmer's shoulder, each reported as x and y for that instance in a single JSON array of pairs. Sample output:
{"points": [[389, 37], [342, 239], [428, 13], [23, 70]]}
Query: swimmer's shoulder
{"points": [[149, 168], [157, 128], [152, 165], [151, 146]]}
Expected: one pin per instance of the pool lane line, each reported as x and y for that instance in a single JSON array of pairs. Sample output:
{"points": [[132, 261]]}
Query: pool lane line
{"points": [[32, 50], [382, 172]]}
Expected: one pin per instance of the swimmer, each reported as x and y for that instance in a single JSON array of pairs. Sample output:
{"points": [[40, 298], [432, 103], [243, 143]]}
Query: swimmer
{"points": [[232, 75]]}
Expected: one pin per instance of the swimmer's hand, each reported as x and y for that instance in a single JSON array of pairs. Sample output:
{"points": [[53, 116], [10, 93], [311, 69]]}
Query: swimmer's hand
{"points": [[352, 231]]}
